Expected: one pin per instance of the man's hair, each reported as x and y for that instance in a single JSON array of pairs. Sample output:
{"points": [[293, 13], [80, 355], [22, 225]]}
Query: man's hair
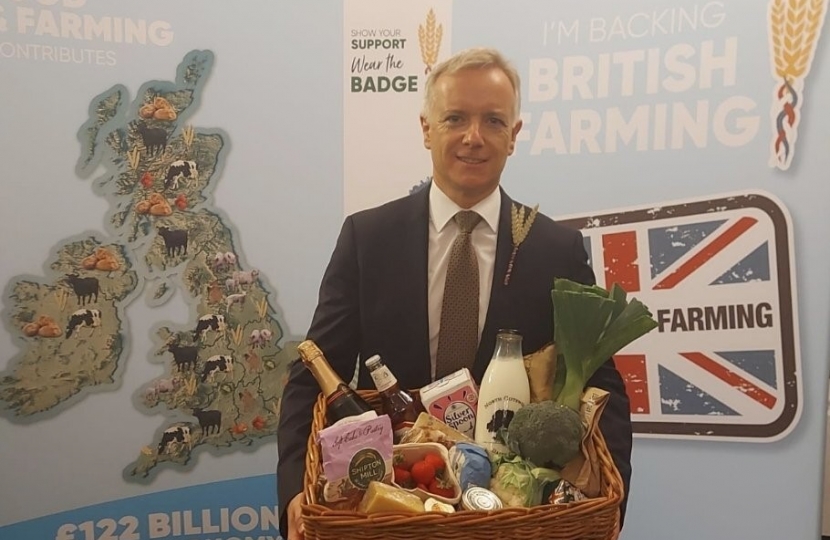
{"points": [[475, 58]]}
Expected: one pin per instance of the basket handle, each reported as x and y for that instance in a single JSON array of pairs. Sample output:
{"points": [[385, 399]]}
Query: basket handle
{"points": [[312, 455]]}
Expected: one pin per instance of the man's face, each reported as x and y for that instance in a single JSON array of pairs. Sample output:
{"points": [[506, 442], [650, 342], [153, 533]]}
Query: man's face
{"points": [[470, 130]]}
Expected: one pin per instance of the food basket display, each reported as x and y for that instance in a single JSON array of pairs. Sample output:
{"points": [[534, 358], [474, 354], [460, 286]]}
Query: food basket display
{"points": [[590, 519]]}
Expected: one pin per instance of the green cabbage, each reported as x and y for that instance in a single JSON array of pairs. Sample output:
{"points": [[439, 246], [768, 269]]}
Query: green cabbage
{"points": [[517, 482]]}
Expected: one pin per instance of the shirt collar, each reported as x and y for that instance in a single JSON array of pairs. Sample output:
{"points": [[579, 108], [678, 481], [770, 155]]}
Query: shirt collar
{"points": [[442, 208]]}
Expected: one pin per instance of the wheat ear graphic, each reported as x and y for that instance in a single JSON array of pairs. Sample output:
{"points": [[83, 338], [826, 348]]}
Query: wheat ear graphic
{"points": [[429, 38], [794, 27]]}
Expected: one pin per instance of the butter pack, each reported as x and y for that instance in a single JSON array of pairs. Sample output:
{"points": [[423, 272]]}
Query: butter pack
{"points": [[453, 400]]}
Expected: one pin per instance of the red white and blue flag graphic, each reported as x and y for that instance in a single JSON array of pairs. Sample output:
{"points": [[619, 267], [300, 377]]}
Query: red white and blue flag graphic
{"points": [[718, 277]]}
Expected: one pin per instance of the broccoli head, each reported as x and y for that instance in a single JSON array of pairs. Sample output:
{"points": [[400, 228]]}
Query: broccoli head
{"points": [[548, 434]]}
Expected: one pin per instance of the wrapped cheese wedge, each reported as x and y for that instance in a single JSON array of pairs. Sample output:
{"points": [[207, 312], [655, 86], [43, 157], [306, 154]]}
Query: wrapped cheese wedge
{"points": [[382, 497], [427, 428], [434, 505]]}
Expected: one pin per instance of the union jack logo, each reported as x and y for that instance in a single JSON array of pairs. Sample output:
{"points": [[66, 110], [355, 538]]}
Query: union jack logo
{"points": [[718, 277]]}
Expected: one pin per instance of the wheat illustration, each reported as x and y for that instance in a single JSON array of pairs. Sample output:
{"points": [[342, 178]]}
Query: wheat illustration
{"points": [[134, 156], [429, 38], [61, 295], [190, 385], [794, 26], [261, 307], [236, 334], [188, 135], [520, 223]]}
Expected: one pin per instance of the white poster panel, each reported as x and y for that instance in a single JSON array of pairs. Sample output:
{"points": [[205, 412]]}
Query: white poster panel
{"points": [[389, 51]]}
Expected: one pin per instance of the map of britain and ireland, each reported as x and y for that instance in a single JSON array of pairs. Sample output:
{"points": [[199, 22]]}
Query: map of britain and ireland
{"points": [[224, 370]]}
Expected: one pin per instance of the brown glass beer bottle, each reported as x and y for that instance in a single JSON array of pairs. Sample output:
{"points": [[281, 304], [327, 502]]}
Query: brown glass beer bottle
{"points": [[399, 404]]}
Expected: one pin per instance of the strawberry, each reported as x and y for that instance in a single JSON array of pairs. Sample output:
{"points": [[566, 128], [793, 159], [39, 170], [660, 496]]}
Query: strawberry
{"points": [[403, 477], [399, 461], [423, 472], [442, 489], [436, 461], [147, 180]]}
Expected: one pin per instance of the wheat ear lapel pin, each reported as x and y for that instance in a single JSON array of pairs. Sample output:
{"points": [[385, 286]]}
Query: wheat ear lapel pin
{"points": [[520, 223]]}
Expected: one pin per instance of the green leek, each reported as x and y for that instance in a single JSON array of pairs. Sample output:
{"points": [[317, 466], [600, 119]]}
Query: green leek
{"points": [[591, 324]]}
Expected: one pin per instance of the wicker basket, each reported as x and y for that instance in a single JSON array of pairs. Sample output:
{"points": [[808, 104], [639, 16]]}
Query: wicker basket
{"points": [[594, 519]]}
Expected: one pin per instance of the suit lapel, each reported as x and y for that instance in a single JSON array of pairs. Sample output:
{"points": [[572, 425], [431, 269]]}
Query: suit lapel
{"points": [[415, 238], [499, 304]]}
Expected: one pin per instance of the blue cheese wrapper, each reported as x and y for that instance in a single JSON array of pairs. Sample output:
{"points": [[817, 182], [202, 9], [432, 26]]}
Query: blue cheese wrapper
{"points": [[471, 465]]}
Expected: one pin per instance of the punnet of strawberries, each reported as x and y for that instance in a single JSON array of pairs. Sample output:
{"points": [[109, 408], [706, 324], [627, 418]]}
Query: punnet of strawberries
{"points": [[428, 473]]}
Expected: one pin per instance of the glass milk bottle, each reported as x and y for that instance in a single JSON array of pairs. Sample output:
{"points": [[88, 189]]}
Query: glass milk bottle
{"points": [[504, 390]]}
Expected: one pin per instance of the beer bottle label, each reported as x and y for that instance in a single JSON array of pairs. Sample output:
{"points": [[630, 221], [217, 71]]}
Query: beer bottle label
{"points": [[383, 378]]}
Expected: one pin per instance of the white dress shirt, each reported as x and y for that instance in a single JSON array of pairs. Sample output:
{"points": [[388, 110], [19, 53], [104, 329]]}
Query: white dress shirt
{"points": [[442, 232]]}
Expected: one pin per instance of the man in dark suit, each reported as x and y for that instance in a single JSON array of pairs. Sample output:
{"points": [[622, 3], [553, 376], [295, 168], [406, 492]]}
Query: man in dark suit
{"points": [[382, 291]]}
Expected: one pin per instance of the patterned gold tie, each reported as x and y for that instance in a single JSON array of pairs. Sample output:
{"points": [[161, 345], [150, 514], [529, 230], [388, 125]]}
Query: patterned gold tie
{"points": [[458, 334]]}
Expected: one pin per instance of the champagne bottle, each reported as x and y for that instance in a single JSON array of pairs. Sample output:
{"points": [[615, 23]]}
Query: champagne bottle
{"points": [[504, 389], [398, 404], [341, 401]]}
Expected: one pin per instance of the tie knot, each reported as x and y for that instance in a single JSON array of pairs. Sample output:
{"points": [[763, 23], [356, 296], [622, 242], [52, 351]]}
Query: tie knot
{"points": [[467, 220]]}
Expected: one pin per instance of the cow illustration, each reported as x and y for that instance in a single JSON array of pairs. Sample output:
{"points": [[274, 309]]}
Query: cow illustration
{"points": [[500, 419], [175, 241], [209, 421], [89, 318], [180, 170], [176, 436], [209, 322], [85, 288]]}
